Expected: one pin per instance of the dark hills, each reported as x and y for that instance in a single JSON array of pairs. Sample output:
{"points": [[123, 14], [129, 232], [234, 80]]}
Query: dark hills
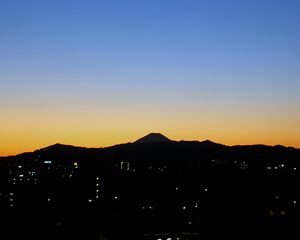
{"points": [[156, 144], [150, 187]]}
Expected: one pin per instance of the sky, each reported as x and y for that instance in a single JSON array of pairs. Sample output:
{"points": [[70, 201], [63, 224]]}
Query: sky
{"points": [[98, 73]]}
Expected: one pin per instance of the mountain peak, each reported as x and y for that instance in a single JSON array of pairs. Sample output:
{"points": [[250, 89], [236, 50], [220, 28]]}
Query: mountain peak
{"points": [[57, 147], [153, 138]]}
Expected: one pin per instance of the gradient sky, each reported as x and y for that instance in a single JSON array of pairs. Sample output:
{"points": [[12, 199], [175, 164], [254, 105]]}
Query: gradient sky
{"points": [[98, 73]]}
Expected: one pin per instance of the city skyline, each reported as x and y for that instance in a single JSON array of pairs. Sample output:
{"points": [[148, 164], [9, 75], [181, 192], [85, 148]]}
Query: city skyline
{"points": [[99, 73]]}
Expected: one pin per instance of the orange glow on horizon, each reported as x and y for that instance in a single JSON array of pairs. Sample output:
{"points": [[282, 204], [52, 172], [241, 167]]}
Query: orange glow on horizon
{"points": [[20, 145], [38, 129]]}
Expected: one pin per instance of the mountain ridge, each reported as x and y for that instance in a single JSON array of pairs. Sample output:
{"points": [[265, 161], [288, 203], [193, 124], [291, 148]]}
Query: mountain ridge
{"points": [[157, 139]]}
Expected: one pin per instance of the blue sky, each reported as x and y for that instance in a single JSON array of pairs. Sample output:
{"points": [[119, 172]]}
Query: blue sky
{"points": [[191, 58]]}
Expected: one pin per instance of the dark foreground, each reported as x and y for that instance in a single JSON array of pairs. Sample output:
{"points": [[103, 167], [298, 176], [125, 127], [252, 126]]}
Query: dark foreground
{"points": [[159, 191]]}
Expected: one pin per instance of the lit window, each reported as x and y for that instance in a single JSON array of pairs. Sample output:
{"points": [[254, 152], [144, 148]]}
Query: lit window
{"points": [[128, 167], [295, 202], [75, 164], [90, 200], [283, 213], [183, 207], [116, 197]]}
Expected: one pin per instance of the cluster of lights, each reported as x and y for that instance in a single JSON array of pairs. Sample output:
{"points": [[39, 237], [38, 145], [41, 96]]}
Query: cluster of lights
{"points": [[281, 213], [125, 166], [75, 165], [195, 205], [276, 167], [31, 173], [244, 165], [11, 199], [149, 207], [169, 238], [97, 187]]}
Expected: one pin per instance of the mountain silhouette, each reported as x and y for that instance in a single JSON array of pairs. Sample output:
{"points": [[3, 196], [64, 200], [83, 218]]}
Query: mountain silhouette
{"points": [[161, 145], [151, 185], [153, 138]]}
